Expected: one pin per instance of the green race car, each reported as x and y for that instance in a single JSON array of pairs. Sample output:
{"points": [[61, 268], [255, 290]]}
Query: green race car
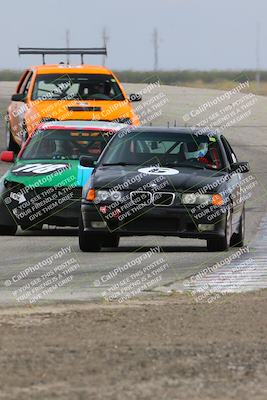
{"points": [[44, 185]]}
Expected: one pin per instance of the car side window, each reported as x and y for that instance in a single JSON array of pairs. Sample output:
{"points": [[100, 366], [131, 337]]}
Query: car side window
{"points": [[234, 157], [23, 82], [27, 83], [231, 156]]}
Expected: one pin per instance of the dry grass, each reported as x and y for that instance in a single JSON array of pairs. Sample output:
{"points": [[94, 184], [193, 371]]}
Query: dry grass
{"points": [[227, 85]]}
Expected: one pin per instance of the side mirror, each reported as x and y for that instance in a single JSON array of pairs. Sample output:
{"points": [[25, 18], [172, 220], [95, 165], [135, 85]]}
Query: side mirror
{"points": [[241, 167], [87, 161], [7, 156], [135, 97], [18, 97]]}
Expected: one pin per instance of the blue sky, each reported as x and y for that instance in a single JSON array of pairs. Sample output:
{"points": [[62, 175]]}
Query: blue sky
{"points": [[194, 34]]}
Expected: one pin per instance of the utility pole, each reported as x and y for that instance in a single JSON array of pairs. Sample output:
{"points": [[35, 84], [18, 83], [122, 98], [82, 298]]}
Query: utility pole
{"points": [[105, 38], [68, 44], [258, 68], [156, 48]]}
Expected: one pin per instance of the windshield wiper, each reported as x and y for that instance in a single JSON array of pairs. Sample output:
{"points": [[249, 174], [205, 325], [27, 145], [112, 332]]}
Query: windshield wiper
{"points": [[123, 164], [185, 165]]}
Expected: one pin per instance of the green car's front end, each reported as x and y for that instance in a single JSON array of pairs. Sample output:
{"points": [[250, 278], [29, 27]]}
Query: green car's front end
{"points": [[44, 185], [40, 192]]}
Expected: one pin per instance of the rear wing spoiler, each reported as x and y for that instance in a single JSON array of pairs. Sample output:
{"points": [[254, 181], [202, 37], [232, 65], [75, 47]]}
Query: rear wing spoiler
{"points": [[60, 50]]}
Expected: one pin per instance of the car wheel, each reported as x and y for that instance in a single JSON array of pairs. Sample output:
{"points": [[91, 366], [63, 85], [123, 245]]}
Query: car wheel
{"points": [[89, 242], [10, 142], [8, 230], [223, 243], [238, 238], [111, 241]]}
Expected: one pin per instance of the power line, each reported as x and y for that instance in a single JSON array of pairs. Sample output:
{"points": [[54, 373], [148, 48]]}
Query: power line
{"points": [[68, 45], [105, 38], [156, 49], [258, 44]]}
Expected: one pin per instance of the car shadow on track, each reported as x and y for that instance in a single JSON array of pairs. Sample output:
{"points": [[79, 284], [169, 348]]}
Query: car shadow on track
{"points": [[164, 249], [72, 232], [49, 232]]}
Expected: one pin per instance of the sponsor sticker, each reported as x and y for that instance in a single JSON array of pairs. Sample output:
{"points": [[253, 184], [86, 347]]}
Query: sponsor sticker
{"points": [[158, 171], [38, 169]]}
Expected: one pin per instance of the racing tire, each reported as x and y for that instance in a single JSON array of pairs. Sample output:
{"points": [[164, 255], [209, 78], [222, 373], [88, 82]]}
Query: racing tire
{"points": [[10, 142], [112, 241], [223, 243], [238, 238], [9, 230], [89, 242]]}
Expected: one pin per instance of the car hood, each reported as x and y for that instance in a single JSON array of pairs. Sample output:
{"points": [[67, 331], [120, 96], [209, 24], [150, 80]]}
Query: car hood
{"points": [[137, 177], [79, 110], [44, 173]]}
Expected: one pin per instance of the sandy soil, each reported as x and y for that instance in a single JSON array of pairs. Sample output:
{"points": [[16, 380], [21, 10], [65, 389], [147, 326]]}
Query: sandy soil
{"points": [[169, 348]]}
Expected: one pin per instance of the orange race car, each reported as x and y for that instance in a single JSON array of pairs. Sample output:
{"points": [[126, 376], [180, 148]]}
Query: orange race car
{"points": [[65, 92]]}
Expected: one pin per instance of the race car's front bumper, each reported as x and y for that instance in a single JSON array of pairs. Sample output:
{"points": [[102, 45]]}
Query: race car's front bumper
{"points": [[163, 221], [36, 209]]}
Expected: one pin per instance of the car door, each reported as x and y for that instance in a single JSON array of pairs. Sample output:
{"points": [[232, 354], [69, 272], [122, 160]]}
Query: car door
{"points": [[234, 182], [18, 108]]}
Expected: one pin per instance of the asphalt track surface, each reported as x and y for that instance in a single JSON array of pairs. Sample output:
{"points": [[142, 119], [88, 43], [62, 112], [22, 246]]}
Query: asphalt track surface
{"points": [[182, 257]]}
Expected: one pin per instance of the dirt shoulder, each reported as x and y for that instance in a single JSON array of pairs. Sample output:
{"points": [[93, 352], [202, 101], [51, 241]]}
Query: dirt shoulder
{"points": [[165, 348]]}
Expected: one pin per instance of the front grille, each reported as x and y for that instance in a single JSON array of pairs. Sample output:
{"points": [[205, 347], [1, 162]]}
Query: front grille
{"points": [[163, 199], [81, 108], [141, 198], [157, 199]]}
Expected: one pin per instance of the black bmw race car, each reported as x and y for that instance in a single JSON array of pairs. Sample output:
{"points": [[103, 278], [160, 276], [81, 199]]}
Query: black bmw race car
{"points": [[164, 181]]}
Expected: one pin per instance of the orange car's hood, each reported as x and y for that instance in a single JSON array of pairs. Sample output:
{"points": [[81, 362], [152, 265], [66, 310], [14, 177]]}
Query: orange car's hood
{"points": [[79, 110]]}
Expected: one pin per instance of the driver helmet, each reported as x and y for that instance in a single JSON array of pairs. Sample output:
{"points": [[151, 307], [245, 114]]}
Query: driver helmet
{"points": [[200, 152]]}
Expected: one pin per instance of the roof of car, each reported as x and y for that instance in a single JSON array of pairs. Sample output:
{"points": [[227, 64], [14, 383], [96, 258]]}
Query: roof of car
{"points": [[161, 129], [81, 125], [73, 69]]}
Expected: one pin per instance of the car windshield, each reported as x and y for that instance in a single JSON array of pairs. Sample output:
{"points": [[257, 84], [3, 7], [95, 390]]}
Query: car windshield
{"points": [[76, 86], [165, 149], [65, 144]]}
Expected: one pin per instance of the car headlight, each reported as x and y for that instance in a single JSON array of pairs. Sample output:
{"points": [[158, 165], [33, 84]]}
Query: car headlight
{"points": [[13, 185], [8, 184], [205, 199], [99, 196], [116, 196], [9, 189], [105, 195]]}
